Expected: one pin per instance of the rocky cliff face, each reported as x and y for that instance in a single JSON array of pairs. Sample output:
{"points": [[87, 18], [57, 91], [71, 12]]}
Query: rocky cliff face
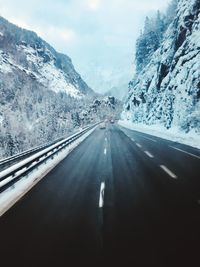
{"points": [[167, 90], [40, 91]]}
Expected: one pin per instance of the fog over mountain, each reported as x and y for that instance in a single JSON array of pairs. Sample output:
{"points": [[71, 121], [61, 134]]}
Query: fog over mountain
{"points": [[109, 81]]}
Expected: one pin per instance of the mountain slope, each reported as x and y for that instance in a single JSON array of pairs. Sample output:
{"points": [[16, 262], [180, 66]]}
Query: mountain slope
{"points": [[23, 50], [40, 91], [167, 89]]}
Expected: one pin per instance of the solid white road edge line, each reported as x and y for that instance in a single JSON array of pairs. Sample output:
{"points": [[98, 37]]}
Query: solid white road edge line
{"points": [[148, 154], [193, 155], [170, 173], [101, 197], [148, 138]]}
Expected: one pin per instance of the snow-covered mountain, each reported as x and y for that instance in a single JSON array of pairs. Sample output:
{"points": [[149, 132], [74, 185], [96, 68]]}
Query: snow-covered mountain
{"points": [[40, 91], [24, 51], [166, 89]]}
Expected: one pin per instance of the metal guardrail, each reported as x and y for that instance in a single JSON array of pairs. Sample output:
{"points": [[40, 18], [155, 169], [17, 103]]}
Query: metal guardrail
{"points": [[11, 175], [7, 162]]}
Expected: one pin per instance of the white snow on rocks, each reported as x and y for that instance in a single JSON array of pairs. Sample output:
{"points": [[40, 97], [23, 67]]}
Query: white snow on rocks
{"points": [[55, 80], [46, 73], [5, 66], [167, 90]]}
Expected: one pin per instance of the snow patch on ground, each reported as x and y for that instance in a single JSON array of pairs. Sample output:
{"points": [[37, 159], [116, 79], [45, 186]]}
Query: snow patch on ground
{"points": [[173, 134], [9, 197]]}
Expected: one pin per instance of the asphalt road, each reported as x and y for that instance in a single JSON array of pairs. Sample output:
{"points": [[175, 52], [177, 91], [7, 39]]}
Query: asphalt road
{"points": [[121, 198]]}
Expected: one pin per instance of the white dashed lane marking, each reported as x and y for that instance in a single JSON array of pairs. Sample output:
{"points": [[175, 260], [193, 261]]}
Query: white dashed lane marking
{"points": [[101, 197], [170, 173], [105, 151], [148, 154], [138, 145]]}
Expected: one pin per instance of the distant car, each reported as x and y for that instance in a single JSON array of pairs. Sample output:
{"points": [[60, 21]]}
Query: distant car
{"points": [[102, 125], [112, 121]]}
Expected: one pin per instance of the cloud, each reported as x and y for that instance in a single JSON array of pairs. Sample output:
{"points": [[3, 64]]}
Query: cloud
{"points": [[93, 4], [101, 31], [57, 34]]}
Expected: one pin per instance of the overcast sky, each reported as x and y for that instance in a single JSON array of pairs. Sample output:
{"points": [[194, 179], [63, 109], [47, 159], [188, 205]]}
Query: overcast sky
{"points": [[99, 33]]}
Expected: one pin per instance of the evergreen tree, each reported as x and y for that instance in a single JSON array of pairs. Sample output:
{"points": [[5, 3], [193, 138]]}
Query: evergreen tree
{"points": [[151, 36], [147, 25], [171, 11]]}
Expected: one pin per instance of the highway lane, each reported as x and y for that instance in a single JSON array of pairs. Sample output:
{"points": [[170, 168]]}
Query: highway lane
{"points": [[146, 217], [58, 221], [157, 220], [182, 160]]}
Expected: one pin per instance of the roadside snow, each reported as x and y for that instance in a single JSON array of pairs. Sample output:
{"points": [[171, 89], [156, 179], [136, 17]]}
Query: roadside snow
{"points": [[173, 134], [9, 197]]}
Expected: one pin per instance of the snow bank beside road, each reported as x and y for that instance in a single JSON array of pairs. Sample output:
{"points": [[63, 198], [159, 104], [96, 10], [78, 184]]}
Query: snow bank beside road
{"points": [[173, 134]]}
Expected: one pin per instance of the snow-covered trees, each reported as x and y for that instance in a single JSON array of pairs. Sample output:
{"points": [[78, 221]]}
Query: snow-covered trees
{"points": [[146, 44], [149, 40], [152, 35], [171, 11], [166, 87], [39, 91], [31, 115]]}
